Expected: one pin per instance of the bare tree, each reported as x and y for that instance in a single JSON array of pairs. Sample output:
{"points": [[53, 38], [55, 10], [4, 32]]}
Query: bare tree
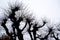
{"points": [[18, 32]]}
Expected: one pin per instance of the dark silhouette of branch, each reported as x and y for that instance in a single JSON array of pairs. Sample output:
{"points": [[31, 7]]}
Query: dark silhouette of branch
{"points": [[34, 31], [16, 24]]}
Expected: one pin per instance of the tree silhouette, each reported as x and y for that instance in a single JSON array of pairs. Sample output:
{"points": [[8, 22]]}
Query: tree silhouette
{"points": [[16, 24]]}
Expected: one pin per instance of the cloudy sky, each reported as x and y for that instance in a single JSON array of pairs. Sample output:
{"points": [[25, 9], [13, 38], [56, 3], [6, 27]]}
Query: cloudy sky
{"points": [[45, 8], [40, 8]]}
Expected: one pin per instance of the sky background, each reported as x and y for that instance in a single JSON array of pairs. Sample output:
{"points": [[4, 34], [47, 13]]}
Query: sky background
{"points": [[45, 8], [40, 8]]}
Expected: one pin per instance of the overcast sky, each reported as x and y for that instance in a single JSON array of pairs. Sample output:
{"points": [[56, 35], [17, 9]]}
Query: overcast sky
{"points": [[47, 8], [41, 8]]}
